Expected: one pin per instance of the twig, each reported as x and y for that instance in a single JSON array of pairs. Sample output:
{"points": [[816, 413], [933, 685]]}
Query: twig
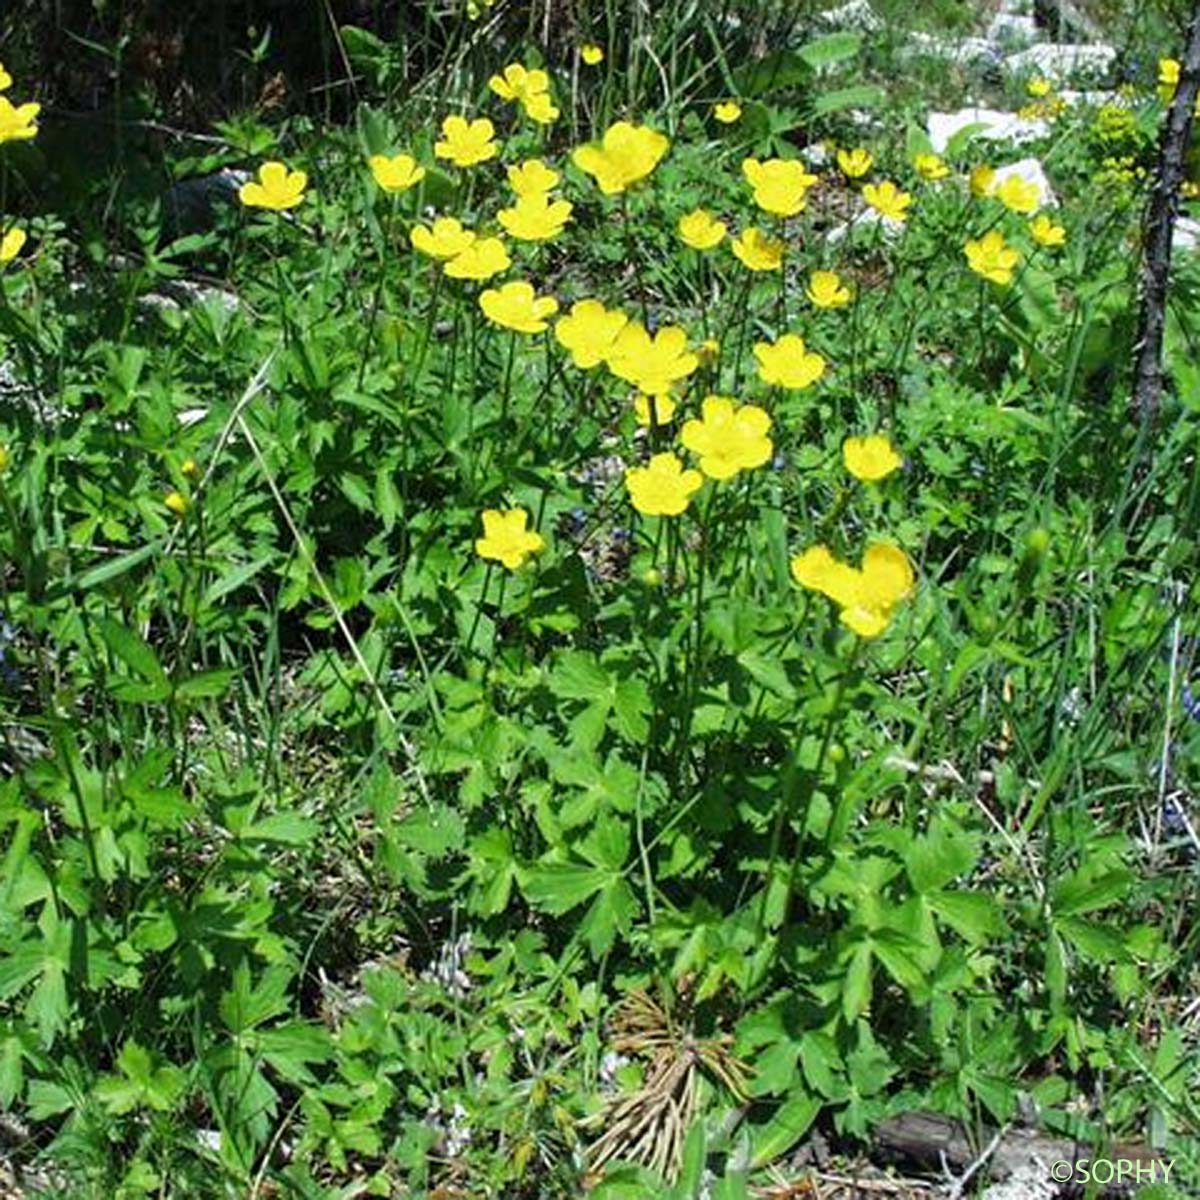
{"points": [[961, 1182], [1159, 226]]}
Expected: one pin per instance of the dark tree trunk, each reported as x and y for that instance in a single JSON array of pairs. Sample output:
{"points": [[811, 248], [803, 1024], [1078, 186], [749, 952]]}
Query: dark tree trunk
{"points": [[1159, 225]]}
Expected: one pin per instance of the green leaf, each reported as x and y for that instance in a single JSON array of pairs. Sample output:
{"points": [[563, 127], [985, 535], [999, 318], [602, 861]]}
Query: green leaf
{"points": [[767, 671], [856, 986], [205, 684], [1081, 892], [557, 888], [863, 95], [132, 650], [578, 676], [287, 827], [790, 1123], [833, 48], [233, 579]]}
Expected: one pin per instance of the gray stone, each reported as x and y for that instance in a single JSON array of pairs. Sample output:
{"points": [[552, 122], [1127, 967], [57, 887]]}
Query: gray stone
{"points": [[995, 126], [1058, 62]]}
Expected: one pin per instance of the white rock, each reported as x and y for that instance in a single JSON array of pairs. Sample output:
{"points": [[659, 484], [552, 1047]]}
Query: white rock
{"points": [[1094, 99], [1186, 236], [815, 155], [1011, 32], [868, 216], [854, 14], [1032, 171], [961, 52], [996, 126], [1059, 61], [190, 416]]}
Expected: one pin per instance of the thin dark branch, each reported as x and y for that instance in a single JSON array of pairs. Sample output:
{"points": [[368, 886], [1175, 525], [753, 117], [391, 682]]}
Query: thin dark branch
{"points": [[1159, 226]]}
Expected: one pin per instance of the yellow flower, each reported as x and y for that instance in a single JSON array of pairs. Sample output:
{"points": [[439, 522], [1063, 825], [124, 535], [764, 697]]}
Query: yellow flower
{"points": [[866, 596], [482, 259], [532, 176], [515, 306], [626, 155], [1018, 195], [982, 180], [870, 458], [854, 164], [728, 439], [535, 217], [277, 188], [17, 123], [1038, 87], [3, 456], [757, 251], [887, 200], [930, 167], [396, 174], [663, 488], [651, 364], [589, 332], [1168, 79], [466, 143], [992, 258], [701, 230], [826, 290], [190, 468], [780, 185], [11, 241], [709, 352], [177, 502], [505, 539], [727, 111], [1046, 233], [591, 54], [447, 238], [5, 79], [663, 407], [788, 363], [530, 89]]}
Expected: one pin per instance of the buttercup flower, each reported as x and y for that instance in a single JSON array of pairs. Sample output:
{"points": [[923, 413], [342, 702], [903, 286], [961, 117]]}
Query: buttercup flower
{"points": [[930, 167], [515, 306], [887, 200], [530, 89], [651, 364], [482, 259], [277, 188], [664, 409], [727, 111], [589, 332], [1018, 195], [591, 54], [505, 537], [709, 351], [535, 217], [788, 363], [531, 177], [190, 468], [5, 79], [396, 174], [663, 488], [701, 230], [177, 502], [981, 180], [826, 290], [729, 439], [3, 456], [1046, 233], [757, 251], [17, 123], [11, 241], [992, 258], [1168, 79], [866, 595], [870, 458], [447, 238], [780, 185], [854, 164], [626, 155], [466, 143], [1038, 87]]}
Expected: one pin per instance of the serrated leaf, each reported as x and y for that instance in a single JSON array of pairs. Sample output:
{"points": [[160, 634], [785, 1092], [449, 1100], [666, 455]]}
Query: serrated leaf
{"points": [[132, 649], [833, 48], [287, 827]]}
